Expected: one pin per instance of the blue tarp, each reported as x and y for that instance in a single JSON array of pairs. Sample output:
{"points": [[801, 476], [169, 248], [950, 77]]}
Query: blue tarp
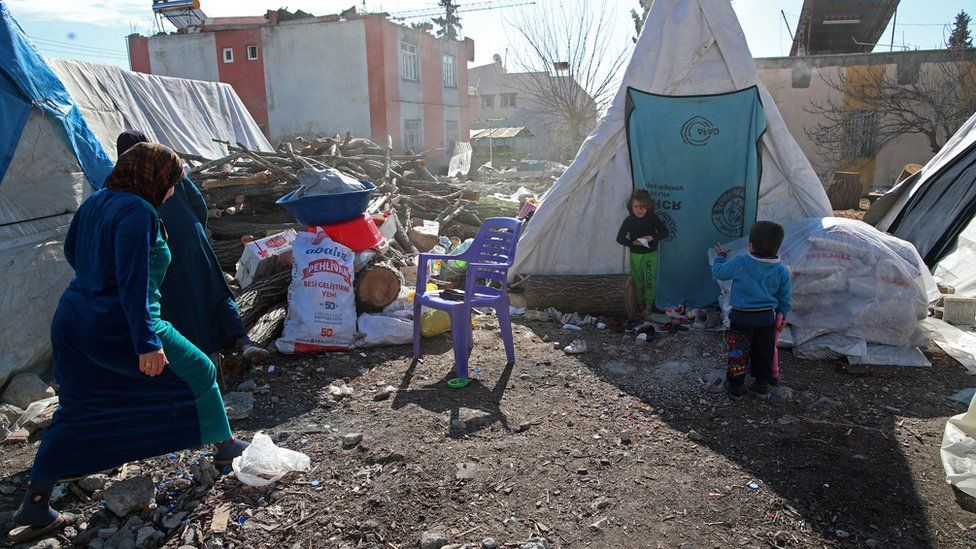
{"points": [[26, 80], [698, 157]]}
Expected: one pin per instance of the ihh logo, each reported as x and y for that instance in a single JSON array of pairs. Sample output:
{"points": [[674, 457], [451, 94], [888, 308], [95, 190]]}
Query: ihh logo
{"points": [[697, 131]]}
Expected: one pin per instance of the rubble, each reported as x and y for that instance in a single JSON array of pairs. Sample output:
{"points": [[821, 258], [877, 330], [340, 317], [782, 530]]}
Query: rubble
{"points": [[128, 495]]}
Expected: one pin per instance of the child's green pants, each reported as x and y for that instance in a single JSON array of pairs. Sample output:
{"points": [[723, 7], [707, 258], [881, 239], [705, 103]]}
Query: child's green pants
{"points": [[643, 269]]}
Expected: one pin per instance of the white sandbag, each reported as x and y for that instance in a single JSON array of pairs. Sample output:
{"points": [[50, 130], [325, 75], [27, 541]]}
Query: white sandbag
{"points": [[381, 329], [851, 279], [321, 299], [886, 355], [263, 463]]}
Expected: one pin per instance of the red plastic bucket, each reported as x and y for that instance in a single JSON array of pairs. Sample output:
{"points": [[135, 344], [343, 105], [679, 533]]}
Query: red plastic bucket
{"points": [[359, 234]]}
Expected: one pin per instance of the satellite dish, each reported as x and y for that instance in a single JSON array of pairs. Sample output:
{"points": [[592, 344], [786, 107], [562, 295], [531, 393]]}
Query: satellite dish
{"points": [[496, 58]]}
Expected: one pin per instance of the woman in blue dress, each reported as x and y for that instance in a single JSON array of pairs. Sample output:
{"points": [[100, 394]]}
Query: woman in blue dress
{"points": [[196, 299], [131, 386]]}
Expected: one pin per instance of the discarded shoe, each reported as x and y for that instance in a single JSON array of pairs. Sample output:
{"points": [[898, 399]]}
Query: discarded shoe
{"points": [[659, 318], [577, 347], [701, 320], [676, 312]]}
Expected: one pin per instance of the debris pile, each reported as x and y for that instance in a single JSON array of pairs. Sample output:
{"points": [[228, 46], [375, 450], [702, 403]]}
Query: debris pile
{"points": [[424, 212]]}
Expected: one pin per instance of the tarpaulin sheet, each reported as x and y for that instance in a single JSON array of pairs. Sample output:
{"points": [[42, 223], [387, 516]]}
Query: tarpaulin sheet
{"points": [[185, 115], [686, 47], [698, 157], [27, 72], [936, 211]]}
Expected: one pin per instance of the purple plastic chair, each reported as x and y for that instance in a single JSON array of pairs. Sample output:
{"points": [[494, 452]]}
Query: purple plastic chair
{"points": [[489, 257]]}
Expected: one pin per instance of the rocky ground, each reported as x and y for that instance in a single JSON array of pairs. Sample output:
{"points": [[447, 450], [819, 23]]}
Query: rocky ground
{"points": [[628, 445]]}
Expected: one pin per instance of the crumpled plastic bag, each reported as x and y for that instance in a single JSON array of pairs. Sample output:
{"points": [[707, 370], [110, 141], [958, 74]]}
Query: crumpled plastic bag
{"points": [[392, 329], [958, 450], [263, 463], [316, 182]]}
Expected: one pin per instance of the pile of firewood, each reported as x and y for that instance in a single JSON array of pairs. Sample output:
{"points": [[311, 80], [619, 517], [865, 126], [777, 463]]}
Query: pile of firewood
{"points": [[241, 189]]}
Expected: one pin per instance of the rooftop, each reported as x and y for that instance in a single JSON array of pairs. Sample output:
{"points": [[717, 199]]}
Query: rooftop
{"points": [[841, 26]]}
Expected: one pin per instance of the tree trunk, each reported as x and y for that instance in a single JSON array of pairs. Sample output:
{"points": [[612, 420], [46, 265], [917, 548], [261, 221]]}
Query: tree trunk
{"points": [[268, 327], [598, 295], [845, 192], [263, 294], [377, 285]]}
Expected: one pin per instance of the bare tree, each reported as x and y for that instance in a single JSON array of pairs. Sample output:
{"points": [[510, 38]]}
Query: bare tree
{"points": [[570, 61], [870, 107]]}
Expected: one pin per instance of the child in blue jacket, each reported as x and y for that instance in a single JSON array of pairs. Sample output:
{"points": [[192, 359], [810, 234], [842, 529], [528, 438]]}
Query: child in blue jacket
{"points": [[760, 291]]}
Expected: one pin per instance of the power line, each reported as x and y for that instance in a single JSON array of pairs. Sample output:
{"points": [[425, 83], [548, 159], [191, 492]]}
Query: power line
{"points": [[80, 54], [71, 45]]}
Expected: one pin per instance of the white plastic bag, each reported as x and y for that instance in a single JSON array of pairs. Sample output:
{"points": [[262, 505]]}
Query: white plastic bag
{"points": [[263, 463], [321, 300], [396, 329]]}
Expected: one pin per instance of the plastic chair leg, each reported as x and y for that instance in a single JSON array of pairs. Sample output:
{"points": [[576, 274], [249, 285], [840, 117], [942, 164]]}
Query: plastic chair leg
{"points": [[460, 336], [416, 327], [505, 327]]}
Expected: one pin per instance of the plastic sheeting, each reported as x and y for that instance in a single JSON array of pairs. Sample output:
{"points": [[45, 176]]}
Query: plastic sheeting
{"points": [[947, 182], [687, 47], [185, 115], [30, 82], [854, 289], [959, 450], [44, 183]]}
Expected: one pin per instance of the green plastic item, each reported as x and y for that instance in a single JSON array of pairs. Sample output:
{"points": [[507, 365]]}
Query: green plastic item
{"points": [[458, 383]]}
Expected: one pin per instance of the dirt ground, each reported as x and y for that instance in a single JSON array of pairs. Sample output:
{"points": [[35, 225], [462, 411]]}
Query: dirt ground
{"points": [[628, 445]]}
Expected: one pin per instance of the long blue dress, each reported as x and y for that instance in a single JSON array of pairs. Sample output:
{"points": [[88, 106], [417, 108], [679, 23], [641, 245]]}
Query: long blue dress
{"points": [[110, 412], [196, 299]]}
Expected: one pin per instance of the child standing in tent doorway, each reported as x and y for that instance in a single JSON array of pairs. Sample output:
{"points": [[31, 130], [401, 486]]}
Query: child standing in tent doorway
{"points": [[640, 233], [760, 299]]}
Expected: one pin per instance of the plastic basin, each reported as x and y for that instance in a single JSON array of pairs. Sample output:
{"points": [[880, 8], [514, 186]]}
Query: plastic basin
{"points": [[358, 234], [327, 209]]}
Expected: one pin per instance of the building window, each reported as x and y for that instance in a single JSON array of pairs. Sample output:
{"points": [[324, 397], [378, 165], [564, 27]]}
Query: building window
{"points": [[408, 62], [413, 135], [452, 134], [860, 133], [252, 53], [487, 101], [508, 100], [450, 72], [228, 55]]}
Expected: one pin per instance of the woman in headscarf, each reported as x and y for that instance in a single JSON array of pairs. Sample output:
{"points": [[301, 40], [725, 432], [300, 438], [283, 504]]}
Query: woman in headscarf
{"points": [[196, 299], [131, 387]]}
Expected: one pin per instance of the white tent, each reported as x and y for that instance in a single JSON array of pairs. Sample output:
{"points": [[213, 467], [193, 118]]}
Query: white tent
{"points": [[44, 183], [687, 47], [936, 211]]}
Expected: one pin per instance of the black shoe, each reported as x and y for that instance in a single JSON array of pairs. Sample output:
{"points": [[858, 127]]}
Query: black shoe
{"points": [[761, 388]]}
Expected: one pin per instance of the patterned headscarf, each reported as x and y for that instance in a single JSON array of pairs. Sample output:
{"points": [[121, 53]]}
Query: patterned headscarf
{"points": [[128, 139], [148, 170]]}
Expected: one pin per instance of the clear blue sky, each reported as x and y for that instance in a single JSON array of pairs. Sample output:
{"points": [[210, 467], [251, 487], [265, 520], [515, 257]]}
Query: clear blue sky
{"points": [[95, 30]]}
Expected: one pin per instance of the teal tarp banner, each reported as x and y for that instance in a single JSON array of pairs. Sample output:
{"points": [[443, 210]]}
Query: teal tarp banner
{"points": [[698, 156]]}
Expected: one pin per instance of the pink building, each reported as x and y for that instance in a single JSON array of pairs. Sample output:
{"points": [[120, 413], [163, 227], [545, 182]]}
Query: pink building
{"points": [[319, 76]]}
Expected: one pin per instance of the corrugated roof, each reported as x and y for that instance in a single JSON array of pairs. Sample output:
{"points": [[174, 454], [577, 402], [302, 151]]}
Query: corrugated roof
{"points": [[501, 133], [841, 26]]}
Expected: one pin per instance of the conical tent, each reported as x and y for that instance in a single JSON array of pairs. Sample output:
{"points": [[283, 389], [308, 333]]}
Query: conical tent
{"points": [[936, 211], [687, 47]]}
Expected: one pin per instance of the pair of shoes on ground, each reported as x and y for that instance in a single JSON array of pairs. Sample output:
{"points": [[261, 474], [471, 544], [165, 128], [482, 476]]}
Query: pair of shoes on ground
{"points": [[739, 390]]}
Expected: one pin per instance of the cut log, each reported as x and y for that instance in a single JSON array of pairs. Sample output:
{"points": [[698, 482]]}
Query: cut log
{"points": [[226, 228], [598, 295], [261, 295], [228, 253], [377, 285], [845, 192], [268, 327]]}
